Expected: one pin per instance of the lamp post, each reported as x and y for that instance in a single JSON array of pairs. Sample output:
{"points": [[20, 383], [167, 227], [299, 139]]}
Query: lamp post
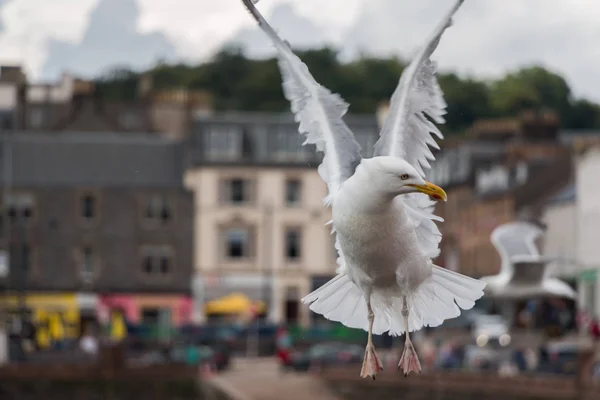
{"points": [[267, 274]]}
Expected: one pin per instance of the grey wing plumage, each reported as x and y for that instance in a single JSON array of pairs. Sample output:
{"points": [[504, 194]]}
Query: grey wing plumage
{"points": [[516, 241], [318, 111], [407, 132]]}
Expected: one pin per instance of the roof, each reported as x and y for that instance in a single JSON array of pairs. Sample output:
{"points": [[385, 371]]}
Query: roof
{"points": [[265, 139], [571, 136], [93, 159], [241, 117]]}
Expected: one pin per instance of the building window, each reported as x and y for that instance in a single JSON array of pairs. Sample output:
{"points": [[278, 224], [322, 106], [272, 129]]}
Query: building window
{"points": [[293, 191], [237, 243], [36, 118], [130, 120], [20, 209], [6, 123], [158, 209], [223, 142], [87, 263], [27, 212], [88, 207], [148, 264], [286, 145], [20, 259], [12, 214], [164, 264], [237, 191], [157, 261], [26, 257], [293, 237]]}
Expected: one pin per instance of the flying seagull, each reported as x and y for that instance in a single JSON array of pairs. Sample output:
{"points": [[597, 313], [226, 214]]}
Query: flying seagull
{"points": [[524, 271], [382, 207]]}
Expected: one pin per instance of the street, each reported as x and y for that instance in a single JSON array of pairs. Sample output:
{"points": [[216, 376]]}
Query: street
{"points": [[261, 379]]}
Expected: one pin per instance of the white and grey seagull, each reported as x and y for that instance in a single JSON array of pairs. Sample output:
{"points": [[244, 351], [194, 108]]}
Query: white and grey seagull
{"points": [[524, 272], [382, 206]]}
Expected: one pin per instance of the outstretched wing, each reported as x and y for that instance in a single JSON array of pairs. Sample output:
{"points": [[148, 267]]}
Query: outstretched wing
{"points": [[516, 242], [318, 111], [407, 131]]}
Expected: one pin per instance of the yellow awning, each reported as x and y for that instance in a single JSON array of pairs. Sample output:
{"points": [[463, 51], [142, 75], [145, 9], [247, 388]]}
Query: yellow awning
{"points": [[235, 303]]}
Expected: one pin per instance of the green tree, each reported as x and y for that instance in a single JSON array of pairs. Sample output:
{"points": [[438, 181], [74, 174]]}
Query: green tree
{"points": [[531, 88], [368, 81], [118, 84], [584, 115], [468, 100], [222, 77], [239, 83]]}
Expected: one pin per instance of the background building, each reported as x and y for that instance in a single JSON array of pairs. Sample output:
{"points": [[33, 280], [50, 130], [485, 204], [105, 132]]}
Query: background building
{"points": [[96, 223], [588, 220], [260, 220]]}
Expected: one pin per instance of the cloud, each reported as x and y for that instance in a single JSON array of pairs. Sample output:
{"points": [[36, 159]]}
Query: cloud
{"points": [[203, 26], [30, 24], [297, 29], [2, 4], [489, 37], [111, 39]]}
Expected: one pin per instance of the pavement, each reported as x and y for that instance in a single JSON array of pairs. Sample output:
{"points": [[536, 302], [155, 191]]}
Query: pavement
{"points": [[261, 379]]}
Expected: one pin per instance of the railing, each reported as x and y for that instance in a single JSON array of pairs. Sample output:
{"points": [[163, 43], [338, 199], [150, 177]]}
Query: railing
{"points": [[458, 384]]}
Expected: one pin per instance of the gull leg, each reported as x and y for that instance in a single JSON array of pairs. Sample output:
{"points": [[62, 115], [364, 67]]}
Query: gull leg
{"points": [[409, 361], [371, 364]]}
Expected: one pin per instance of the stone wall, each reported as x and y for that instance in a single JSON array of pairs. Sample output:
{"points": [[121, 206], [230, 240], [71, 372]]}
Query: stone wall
{"points": [[109, 379]]}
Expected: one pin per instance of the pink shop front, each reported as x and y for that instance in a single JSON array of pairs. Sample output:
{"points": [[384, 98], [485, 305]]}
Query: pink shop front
{"points": [[146, 309]]}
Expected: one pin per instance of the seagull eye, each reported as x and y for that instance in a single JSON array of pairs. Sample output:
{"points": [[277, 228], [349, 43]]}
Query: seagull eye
{"points": [[404, 177]]}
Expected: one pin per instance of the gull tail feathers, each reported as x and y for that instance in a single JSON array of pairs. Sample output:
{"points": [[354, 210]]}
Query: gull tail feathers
{"points": [[340, 300], [438, 298]]}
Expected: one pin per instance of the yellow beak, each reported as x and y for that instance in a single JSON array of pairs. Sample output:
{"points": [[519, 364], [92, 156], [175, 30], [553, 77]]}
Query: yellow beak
{"points": [[433, 191]]}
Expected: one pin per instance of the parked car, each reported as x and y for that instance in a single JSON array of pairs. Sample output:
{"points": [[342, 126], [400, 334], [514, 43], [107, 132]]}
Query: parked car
{"points": [[490, 330], [326, 354]]}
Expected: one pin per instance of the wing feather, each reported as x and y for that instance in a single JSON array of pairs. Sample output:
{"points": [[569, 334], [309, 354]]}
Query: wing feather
{"points": [[409, 130], [318, 111]]}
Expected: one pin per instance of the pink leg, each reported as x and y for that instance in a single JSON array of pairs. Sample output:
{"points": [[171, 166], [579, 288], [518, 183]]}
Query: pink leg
{"points": [[409, 361], [371, 365]]}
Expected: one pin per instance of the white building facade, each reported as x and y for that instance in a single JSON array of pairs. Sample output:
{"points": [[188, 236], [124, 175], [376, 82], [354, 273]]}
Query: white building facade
{"points": [[260, 223], [588, 228]]}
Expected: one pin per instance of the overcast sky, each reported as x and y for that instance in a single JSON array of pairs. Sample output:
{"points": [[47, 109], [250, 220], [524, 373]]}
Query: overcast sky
{"points": [[489, 36]]}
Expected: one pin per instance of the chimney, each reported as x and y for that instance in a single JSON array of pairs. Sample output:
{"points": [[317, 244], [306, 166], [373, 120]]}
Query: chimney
{"points": [[145, 85], [13, 74]]}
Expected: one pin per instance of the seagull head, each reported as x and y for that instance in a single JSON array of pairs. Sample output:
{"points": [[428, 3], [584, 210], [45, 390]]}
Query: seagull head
{"points": [[399, 177]]}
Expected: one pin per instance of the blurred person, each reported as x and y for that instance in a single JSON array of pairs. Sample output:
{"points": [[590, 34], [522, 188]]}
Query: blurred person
{"points": [[596, 371], [283, 344], [428, 350], [531, 358], [595, 329], [508, 369], [448, 357], [520, 359], [28, 334]]}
